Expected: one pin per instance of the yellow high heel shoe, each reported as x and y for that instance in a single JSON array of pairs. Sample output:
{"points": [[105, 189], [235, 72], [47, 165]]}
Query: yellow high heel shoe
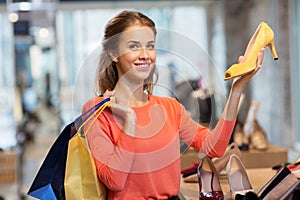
{"points": [[263, 36]]}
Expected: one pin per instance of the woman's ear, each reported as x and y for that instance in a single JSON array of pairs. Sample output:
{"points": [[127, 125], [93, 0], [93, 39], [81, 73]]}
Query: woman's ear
{"points": [[115, 59], [113, 56]]}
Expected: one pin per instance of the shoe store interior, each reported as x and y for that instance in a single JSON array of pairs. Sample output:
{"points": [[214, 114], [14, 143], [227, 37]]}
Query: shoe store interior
{"points": [[49, 53]]}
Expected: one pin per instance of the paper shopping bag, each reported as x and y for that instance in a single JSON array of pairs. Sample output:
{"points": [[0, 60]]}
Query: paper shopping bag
{"points": [[81, 180]]}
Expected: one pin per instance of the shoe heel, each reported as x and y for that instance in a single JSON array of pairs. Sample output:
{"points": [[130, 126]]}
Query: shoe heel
{"points": [[273, 50], [208, 180]]}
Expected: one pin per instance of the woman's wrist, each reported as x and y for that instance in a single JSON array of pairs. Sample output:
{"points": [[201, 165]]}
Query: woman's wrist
{"points": [[231, 108], [236, 93]]}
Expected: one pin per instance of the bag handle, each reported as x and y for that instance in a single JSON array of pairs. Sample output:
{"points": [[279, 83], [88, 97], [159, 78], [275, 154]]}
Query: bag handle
{"points": [[95, 114], [81, 119]]}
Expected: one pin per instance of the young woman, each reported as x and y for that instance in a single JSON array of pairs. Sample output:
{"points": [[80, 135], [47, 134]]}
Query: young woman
{"points": [[135, 142]]}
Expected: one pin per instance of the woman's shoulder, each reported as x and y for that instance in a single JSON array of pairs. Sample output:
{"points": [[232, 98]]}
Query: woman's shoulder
{"points": [[91, 102], [164, 99], [170, 104]]}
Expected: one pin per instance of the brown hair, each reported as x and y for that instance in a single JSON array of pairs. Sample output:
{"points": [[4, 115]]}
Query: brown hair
{"points": [[107, 74]]}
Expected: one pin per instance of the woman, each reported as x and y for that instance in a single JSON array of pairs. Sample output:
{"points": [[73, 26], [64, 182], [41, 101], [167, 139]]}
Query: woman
{"points": [[135, 143]]}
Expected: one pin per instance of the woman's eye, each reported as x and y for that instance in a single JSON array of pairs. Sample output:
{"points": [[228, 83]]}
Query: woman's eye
{"points": [[151, 46], [134, 47]]}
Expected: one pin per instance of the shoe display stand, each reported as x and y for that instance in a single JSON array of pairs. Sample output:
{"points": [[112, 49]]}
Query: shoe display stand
{"points": [[254, 158]]}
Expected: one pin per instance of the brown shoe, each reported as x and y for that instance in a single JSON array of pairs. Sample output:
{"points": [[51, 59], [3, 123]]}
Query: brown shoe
{"points": [[220, 163], [240, 138], [258, 137]]}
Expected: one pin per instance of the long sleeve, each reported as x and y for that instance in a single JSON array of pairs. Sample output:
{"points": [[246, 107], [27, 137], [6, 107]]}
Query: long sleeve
{"points": [[211, 142]]}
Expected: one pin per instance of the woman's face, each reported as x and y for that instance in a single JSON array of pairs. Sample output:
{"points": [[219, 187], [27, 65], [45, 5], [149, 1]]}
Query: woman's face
{"points": [[136, 54]]}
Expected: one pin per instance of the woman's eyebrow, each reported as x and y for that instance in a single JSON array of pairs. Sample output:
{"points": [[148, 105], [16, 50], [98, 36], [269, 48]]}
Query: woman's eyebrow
{"points": [[133, 41]]}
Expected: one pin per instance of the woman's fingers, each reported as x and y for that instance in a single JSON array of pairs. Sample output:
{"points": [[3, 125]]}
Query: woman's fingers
{"points": [[241, 59], [259, 61], [242, 80], [120, 108], [260, 57], [109, 94], [116, 105]]}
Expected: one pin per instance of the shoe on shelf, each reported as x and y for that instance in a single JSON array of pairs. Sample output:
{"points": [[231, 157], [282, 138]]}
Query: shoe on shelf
{"points": [[240, 139], [289, 165], [279, 186], [249, 124], [237, 177], [258, 138], [263, 36], [208, 180], [280, 165], [220, 163]]}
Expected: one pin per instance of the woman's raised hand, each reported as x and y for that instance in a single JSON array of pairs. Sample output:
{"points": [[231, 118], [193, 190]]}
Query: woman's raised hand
{"points": [[122, 109], [241, 82]]}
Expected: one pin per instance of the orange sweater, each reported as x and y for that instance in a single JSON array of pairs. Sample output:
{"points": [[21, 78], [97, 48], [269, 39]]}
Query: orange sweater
{"points": [[148, 166]]}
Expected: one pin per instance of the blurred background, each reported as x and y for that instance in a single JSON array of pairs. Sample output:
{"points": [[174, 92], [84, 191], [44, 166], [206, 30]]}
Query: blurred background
{"points": [[48, 54]]}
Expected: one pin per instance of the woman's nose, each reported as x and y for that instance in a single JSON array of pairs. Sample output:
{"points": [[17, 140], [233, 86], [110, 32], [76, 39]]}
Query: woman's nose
{"points": [[144, 53]]}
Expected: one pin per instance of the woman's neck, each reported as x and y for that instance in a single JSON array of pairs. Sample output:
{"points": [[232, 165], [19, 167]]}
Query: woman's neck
{"points": [[131, 96]]}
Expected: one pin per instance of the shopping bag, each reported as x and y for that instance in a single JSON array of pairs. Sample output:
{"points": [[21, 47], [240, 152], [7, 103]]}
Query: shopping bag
{"points": [[81, 180], [49, 181]]}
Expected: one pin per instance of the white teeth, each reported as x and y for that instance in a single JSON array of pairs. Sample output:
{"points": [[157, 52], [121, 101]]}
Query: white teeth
{"points": [[143, 65]]}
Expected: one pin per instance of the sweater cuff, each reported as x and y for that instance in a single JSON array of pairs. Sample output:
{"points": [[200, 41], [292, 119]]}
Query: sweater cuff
{"points": [[225, 127]]}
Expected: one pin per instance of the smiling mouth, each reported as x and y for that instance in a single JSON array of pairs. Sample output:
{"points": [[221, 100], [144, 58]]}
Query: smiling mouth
{"points": [[143, 66]]}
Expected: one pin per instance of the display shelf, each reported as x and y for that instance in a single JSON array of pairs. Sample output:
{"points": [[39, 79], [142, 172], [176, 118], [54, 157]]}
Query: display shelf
{"points": [[254, 158], [251, 158]]}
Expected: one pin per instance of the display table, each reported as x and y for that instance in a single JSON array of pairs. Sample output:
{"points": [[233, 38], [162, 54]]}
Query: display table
{"points": [[258, 178]]}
